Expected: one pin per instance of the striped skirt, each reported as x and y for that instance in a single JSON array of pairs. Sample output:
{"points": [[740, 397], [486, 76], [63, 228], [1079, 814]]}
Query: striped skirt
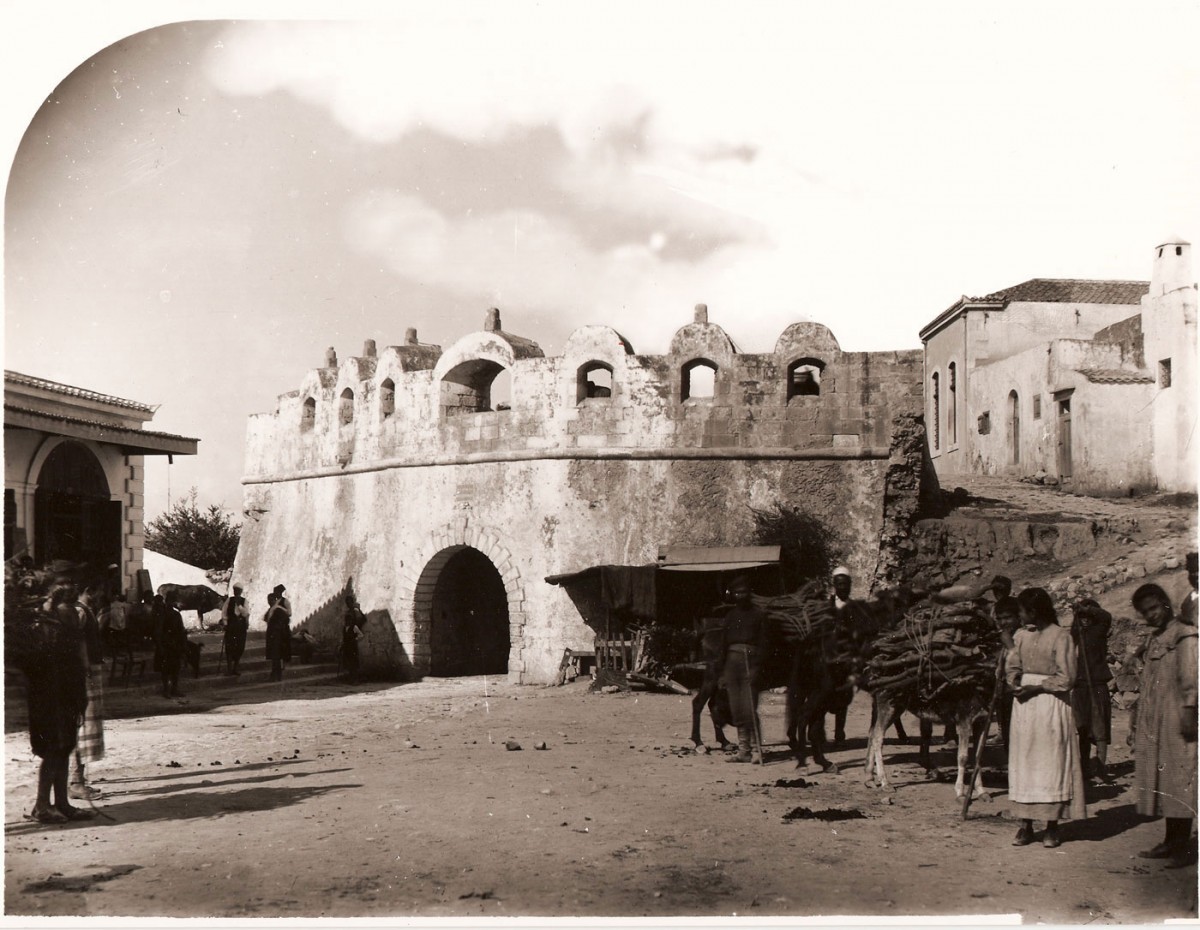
{"points": [[90, 745]]}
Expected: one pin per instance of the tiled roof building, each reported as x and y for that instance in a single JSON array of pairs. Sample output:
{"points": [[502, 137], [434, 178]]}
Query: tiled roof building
{"points": [[1089, 383], [73, 474]]}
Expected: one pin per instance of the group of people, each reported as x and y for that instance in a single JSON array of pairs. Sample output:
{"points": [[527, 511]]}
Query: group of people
{"points": [[1053, 700], [63, 657], [236, 617], [1056, 707]]}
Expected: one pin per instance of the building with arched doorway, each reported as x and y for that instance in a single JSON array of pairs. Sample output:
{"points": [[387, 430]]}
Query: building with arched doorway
{"points": [[74, 476], [1088, 384], [445, 486]]}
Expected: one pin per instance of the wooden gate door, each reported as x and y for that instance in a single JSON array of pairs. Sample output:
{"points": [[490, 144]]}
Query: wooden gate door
{"points": [[1063, 403]]}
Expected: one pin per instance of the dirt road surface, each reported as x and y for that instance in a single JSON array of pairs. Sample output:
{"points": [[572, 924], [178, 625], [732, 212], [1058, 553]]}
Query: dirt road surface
{"points": [[405, 802]]}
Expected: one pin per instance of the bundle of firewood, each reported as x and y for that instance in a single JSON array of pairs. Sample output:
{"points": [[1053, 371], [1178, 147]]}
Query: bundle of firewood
{"points": [[936, 649], [799, 615]]}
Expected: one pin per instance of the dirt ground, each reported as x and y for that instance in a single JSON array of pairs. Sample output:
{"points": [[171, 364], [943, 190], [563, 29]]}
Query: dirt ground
{"points": [[405, 802]]}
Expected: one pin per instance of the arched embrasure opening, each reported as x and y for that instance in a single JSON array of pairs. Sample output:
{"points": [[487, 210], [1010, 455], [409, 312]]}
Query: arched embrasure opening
{"points": [[594, 380], [468, 614], [387, 398], [473, 386], [698, 380], [804, 377]]}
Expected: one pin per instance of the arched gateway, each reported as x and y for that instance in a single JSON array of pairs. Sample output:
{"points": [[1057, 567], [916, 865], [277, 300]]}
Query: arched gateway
{"points": [[467, 606]]}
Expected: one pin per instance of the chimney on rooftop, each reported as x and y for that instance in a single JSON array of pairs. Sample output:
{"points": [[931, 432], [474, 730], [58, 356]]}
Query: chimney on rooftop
{"points": [[701, 313], [491, 323], [369, 348], [331, 357], [410, 336]]}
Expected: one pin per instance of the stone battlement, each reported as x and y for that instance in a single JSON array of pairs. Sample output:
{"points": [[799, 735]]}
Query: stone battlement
{"points": [[493, 396], [451, 483]]}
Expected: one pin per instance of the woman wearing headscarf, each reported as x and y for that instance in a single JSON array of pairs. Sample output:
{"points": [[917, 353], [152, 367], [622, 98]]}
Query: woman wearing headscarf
{"points": [[1045, 778]]}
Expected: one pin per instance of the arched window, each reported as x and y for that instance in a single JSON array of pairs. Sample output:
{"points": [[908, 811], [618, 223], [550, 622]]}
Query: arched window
{"points": [[935, 401], [475, 386], [1014, 424], [698, 380], [952, 405], [387, 398], [593, 382], [804, 377], [346, 407], [308, 413]]}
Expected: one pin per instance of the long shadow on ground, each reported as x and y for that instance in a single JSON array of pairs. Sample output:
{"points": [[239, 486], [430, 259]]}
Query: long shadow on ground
{"points": [[192, 805]]}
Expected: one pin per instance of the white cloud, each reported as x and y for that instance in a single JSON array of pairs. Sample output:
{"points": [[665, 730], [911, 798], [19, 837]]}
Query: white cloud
{"points": [[877, 155]]}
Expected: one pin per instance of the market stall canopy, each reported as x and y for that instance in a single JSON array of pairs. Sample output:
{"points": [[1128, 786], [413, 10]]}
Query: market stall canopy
{"points": [[614, 587], [716, 558]]}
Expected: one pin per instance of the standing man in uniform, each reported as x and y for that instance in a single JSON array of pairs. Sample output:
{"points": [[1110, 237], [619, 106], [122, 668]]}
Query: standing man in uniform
{"points": [[745, 645]]}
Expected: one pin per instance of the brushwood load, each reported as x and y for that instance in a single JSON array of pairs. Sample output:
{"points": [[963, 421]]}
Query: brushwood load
{"points": [[935, 652]]}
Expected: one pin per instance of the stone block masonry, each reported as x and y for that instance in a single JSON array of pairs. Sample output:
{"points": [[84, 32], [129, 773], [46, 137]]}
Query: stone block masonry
{"points": [[446, 473]]}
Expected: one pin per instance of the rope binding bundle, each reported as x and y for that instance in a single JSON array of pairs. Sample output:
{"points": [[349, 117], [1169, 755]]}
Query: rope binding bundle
{"points": [[936, 649], [800, 615]]}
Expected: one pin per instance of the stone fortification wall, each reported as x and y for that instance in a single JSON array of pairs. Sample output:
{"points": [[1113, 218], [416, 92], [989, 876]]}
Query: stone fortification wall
{"points": [[378, 470]]}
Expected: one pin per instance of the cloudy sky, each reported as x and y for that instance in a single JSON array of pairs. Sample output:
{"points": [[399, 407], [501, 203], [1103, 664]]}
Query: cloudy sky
{"points": [[197, 208]]}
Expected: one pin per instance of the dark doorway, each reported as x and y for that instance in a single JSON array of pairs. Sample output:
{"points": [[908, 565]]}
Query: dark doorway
{"points": [[74, 519], [1014, 428], [1063, 402], [469, 614]]}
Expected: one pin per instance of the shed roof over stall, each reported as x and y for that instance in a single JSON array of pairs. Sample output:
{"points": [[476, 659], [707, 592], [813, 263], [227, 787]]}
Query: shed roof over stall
{"points": [[633, 588], [716, 558]]}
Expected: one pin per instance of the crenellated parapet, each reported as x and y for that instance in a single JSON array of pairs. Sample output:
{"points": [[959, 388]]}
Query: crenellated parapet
{"points": [[494, 395]]}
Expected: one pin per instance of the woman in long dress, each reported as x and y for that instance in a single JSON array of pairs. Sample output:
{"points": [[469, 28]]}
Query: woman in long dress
{"points": [[1045, 778]]}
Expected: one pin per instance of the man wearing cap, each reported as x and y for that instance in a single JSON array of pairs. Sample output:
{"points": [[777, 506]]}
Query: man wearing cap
{"points": [[745, 644]]}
